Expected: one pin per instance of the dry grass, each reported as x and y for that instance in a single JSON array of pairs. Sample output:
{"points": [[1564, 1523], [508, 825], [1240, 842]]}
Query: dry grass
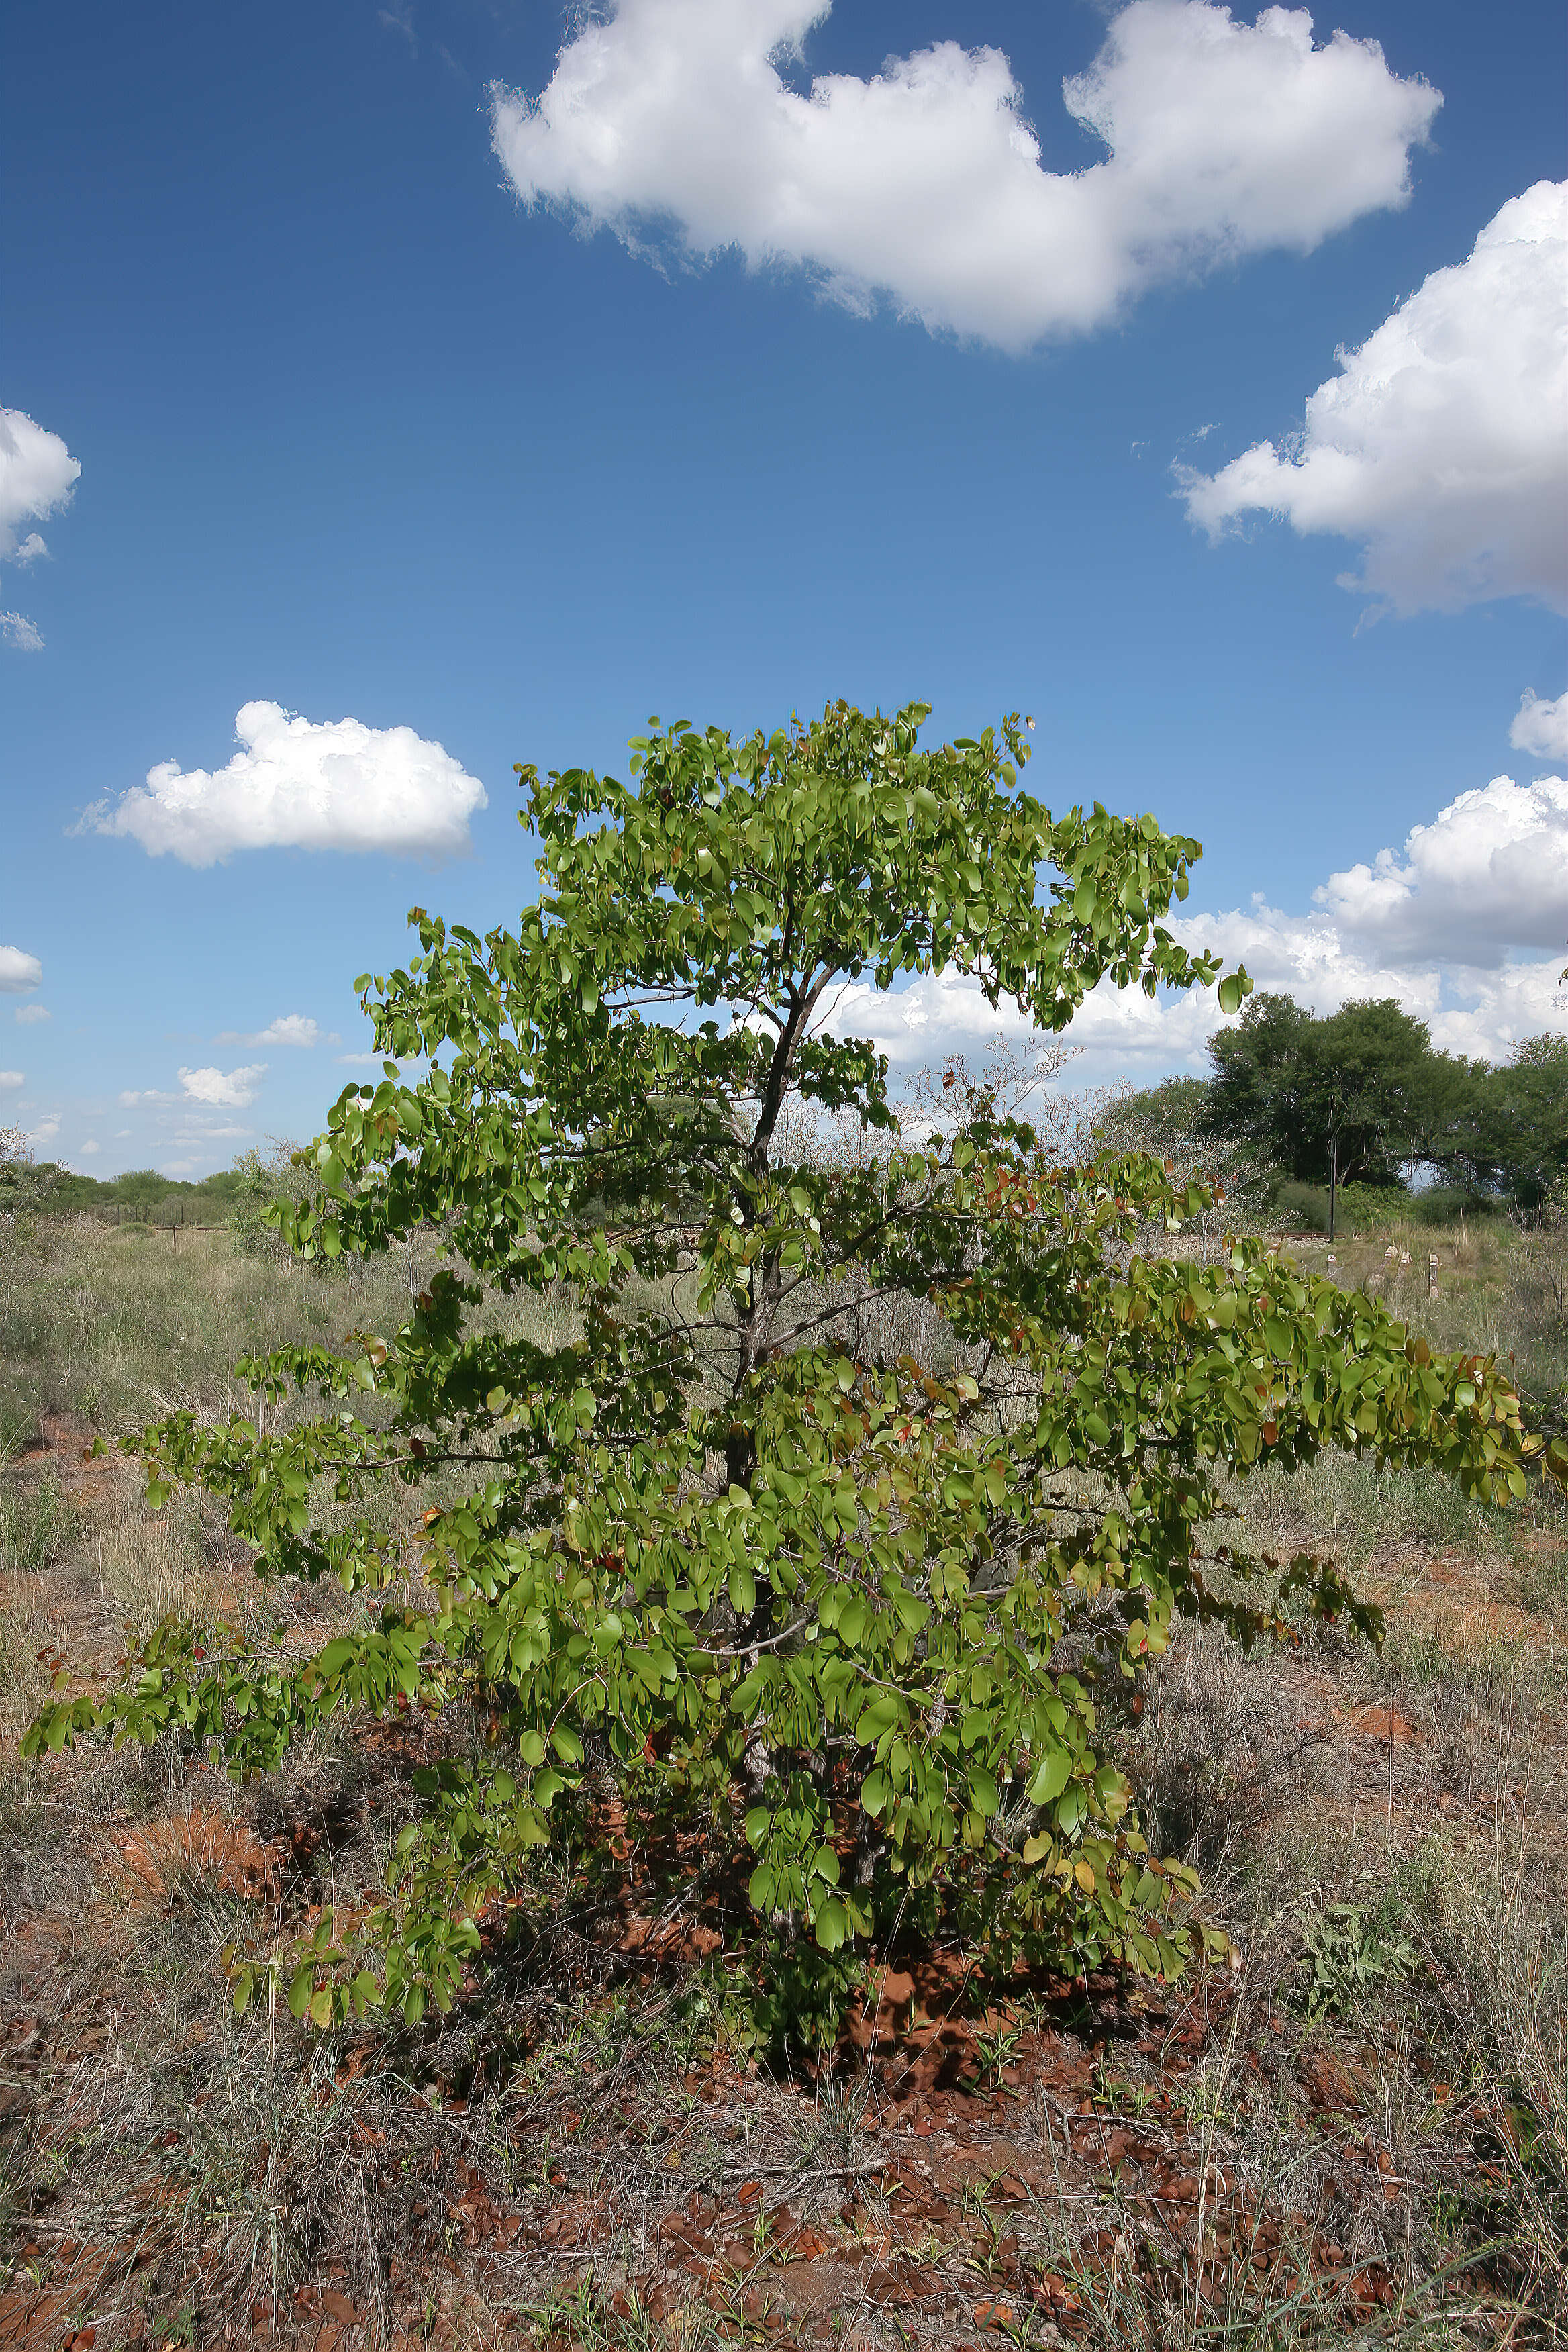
{"points": [[114, 1326], [1358, 2136]]}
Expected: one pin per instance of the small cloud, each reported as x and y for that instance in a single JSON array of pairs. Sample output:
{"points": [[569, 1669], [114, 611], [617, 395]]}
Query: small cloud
{"points": [[223, 1090], [300, 783], [30, 1012], [120, 1134], [288, 1029], [88, 1150], [37, 474], [399, 19], [1540, 728], [48, 1127], [11, 1078], [133, 1098], [18, 971]]}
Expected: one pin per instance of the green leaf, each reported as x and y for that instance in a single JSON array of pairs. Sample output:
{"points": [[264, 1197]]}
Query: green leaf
{"points": [[1052, 1777], [832, 1924]]}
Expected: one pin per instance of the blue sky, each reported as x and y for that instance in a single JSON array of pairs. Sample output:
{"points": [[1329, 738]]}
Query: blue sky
{"points": [[362, 434]]}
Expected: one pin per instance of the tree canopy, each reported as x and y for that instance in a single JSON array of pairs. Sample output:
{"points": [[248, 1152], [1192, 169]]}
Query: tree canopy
{"points": [[855, 1602], [1369, 1080], [1513, 1135], [1364, 1078]]}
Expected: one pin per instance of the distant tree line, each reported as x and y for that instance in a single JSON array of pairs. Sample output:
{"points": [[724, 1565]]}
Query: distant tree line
{"points": [[1367, 1086], [47, 1188], [1287, 1085]]}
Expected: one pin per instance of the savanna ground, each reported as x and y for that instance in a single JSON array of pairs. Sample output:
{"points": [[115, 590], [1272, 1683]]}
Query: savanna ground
{"points": [[1357, 2134]]}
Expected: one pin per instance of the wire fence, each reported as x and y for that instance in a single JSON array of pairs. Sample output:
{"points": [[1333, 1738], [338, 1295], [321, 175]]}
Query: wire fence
{"points": [[158, 1216]]}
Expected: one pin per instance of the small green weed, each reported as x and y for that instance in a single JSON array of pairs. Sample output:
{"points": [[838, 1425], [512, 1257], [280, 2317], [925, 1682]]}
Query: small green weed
{"points": [[1348, 1951], [992, 2052], [712, 2014], [801, 1997]]}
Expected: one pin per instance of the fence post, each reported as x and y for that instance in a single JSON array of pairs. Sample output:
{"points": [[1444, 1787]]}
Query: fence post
{"points": [[1432, 1275]]}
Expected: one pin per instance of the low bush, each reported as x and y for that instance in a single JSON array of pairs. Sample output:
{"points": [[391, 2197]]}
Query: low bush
{"points": [[1358, 1208]]}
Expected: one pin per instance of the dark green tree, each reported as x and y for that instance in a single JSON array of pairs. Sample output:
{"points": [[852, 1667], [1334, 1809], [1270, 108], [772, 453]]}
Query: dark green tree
{"points": [[1513, 1135], [854, 1614], [1364, 1078]]}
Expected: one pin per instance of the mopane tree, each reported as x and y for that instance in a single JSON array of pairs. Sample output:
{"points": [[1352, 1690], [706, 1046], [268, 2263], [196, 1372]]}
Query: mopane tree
{"points": [[855, 1613]]}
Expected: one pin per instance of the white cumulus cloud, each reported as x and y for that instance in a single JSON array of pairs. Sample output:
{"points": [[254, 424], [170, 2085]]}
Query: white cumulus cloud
{"points": [[288, 1029], [10, 1078], [1497, 1009], [669, 123], [1441, 444], [18, 971], [31, 1013], [302, 783], [1540, 728], [37, 474], [223, 1090], [1489, 873], [1432, 924]]}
